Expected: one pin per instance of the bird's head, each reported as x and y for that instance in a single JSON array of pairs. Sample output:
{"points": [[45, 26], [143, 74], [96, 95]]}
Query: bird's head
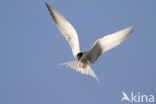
{"points": [[79, 55]]}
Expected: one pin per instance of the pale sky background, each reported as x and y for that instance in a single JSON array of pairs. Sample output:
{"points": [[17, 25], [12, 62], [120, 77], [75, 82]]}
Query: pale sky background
{"points": [[31, 49]]}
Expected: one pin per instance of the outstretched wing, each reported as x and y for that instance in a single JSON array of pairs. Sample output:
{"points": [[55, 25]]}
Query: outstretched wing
{"points": [[106, 43], [66, 29], [88, 70]]}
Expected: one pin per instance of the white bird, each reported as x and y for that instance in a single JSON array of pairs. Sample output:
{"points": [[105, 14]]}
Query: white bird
{"points": [[100, 46]]}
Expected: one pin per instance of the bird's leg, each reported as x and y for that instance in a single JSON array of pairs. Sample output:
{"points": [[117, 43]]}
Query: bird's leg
{"points": [[81, 64]]}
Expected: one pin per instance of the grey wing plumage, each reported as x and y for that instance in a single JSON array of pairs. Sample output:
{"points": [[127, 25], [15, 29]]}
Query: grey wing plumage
{"points": [[66, 29], [106, 43]]}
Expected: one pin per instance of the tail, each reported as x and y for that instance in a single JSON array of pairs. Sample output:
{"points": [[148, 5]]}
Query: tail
{"points": [[88, 70]]}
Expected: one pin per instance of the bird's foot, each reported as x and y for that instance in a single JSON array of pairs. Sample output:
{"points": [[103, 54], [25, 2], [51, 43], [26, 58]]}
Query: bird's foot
{"points": [[81, 65]]}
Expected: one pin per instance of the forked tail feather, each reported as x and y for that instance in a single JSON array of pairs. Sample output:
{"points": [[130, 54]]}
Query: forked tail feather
{"points": [[88, 70]]}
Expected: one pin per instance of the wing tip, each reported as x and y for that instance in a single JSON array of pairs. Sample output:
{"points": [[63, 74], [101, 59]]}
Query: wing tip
{"points": [[128, 30], [132, 28], [52, 11], [47, 4]]}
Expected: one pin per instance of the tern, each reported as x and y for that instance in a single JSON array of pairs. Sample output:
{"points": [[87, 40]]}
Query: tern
{"points": [[99, 47]]}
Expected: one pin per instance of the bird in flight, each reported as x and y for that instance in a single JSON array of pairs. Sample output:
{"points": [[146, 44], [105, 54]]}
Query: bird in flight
{"points": [[99, 47]]}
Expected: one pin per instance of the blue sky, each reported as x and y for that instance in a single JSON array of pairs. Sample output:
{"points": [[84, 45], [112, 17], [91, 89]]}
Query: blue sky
{"points": [[31, 49]]}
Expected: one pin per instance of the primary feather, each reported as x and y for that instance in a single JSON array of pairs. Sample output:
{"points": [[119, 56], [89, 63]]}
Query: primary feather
{"points": [[66, 29], [106, 43]]}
